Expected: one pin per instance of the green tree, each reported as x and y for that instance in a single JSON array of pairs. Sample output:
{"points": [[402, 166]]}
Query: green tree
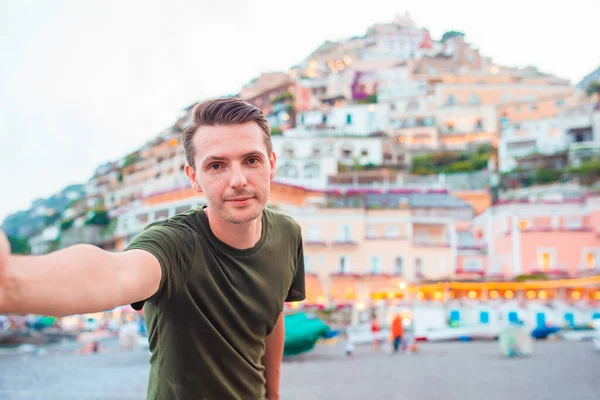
{"points": [[445, 157], [459, 166], [19, 245], [593, 88], [451, 34], [547, 175]]}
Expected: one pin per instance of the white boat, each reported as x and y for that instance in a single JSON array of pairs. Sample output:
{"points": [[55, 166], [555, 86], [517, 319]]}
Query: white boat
{"points": [[470, 332], [362, 334]]}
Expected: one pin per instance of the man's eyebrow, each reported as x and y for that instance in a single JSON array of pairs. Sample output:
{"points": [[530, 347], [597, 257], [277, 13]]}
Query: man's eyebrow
{"points": [[218, 157]]}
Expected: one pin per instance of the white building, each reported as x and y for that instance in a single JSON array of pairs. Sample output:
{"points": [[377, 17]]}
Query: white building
{"points": [[399, 40], [576, 130], [356, 119], [306, 158], [309, 172], [135, 217], [42, 243], [581, 126], [517, 140]]}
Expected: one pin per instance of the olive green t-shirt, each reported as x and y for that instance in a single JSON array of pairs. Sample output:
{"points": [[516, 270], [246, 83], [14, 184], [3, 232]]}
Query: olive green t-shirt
{"points": [[216, 304]]}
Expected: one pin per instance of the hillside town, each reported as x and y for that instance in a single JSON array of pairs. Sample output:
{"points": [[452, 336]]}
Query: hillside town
{"points": [[419, 170]]}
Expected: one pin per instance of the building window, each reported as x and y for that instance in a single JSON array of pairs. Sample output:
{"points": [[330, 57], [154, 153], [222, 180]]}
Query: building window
{"points": [[590, 261], [546, 258], [312, 171], [398, 266], [289, 152], [344, 264], [162, 214], [418, 267], [370, 231], [473, 264], [321, 260], [393, 231], [428, 121], [479, 124], [302, 118], [590, 258], [349, 119], [450, 127], [344, 233], [573, 223], [412, 106], [474, 100], [451, 100], [288, 170], [375, 265], [524, 224], [314, 233]]}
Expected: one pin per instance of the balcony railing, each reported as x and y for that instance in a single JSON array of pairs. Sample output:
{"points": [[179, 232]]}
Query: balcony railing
{"points": [[344, 242], [314, 242], [430, 243]]}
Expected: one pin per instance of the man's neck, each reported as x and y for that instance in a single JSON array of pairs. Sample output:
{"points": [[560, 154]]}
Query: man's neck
{"points": [[238, 236]]}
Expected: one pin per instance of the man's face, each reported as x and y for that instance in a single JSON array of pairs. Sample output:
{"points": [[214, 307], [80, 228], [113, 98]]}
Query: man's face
{"points": [[233, 170]]}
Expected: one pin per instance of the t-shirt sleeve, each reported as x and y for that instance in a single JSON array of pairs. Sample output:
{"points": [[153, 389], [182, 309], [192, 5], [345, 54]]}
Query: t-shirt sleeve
{"points": [[297, 290], [173, 248]]}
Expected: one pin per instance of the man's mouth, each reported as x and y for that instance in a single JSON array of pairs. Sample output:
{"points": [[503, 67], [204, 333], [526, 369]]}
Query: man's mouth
{"points": [[240, 201]]}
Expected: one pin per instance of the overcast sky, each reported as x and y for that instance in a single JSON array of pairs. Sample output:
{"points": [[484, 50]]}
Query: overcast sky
{"points": [[85, 82]]}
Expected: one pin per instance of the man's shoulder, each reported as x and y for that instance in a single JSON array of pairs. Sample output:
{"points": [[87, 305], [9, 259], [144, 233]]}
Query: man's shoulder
{"points": [[283, 221]]}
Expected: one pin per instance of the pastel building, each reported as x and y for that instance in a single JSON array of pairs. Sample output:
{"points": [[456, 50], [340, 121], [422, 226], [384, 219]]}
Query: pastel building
{"points": [[558, 236], [355, 120], [368, 240], [575, 130]]}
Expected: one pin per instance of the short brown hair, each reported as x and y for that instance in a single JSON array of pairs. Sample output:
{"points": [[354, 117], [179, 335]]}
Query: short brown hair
{"points": [[222, 111]]}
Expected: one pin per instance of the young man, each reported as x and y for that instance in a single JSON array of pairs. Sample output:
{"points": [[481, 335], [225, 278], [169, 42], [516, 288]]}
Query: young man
{"points": [[213, 280]]}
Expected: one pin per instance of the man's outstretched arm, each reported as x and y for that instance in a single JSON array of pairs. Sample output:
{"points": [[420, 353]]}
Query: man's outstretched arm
{"points": [[76, 280], [273, 357]]}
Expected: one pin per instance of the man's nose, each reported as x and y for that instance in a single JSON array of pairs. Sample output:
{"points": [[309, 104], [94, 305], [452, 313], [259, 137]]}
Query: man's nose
{"points": [[238, 177]]}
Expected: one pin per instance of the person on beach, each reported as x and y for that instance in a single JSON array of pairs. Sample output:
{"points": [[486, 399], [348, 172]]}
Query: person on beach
{"points": [[212, 281], [397, 331]]}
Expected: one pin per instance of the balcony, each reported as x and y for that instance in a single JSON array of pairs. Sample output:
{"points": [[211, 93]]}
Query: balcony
{"points": [[430, 243], [386, 237], [472, 249], [344, 242], [556, 228], [314, 242]]}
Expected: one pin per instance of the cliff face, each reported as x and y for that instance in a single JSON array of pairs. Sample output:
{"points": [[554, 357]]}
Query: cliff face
{"points": [[43, 213]]}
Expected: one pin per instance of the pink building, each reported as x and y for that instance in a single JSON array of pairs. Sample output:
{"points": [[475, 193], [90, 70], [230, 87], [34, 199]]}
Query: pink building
{"points": [[560, 236], [369, 240]]}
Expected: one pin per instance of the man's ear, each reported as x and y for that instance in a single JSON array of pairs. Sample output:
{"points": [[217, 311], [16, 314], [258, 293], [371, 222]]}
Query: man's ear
{"points": [[191, 174], [273, 163]]}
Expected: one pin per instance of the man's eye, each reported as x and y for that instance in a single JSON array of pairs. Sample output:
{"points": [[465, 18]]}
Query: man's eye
{"points": [[253, 160], [214, 166]]}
